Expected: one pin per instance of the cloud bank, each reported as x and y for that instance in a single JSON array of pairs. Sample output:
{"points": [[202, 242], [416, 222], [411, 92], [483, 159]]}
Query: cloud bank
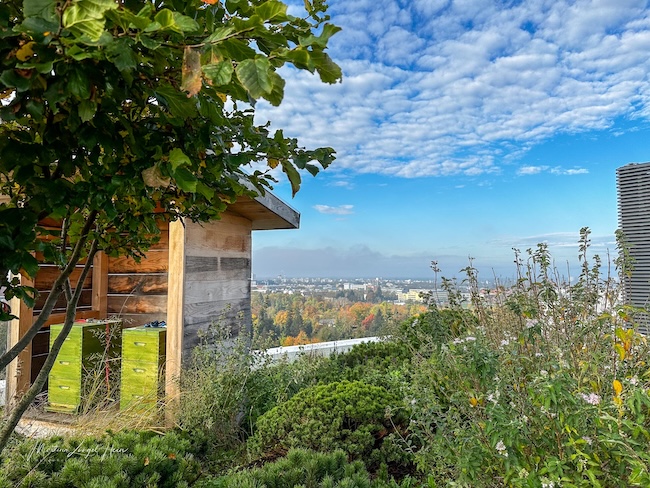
{"points": [[465, 87]]}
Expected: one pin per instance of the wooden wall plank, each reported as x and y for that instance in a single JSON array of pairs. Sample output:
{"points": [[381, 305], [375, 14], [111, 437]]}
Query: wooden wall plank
{"points": [[154, 262], [48, 273], [140, 284], [210, 291], [229, 236], [85, 300], [127, 304]]}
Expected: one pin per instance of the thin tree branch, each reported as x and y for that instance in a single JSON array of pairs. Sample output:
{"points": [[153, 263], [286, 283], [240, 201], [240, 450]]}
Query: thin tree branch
{"points": [[27, 399], [51, 300]]}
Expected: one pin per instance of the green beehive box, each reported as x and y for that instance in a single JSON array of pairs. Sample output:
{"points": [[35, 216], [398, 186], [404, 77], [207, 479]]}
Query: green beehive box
{"points": [[87, 367], [143, 367]]}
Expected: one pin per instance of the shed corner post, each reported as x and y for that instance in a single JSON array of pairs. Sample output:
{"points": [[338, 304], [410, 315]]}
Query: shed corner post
{"points": [[175, 319], [18, 372]]}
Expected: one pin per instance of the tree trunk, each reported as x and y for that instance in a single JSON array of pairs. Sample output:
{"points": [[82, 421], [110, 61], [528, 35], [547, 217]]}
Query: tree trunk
{"points": [[27, 399]]}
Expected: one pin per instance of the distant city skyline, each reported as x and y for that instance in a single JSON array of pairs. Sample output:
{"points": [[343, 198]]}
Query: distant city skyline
{"points": [[463, 128]]}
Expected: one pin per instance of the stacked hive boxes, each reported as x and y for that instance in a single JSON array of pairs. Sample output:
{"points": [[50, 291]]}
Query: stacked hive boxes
{"points": [[143, 363], [86, 370]]}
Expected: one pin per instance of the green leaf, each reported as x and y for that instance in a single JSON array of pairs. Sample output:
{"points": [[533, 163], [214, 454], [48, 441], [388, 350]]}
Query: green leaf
{"points": [[235, 49], [185, 180], [293, 175], [205, 190], [254, 75], [45, 9], [272, 10], [328, 70], [78, 84], [87, 17], [87, 109], [165, 18], [219, 73], [12, 79], [277, 93], [37, 26], [220, 34], [183, 23], [321, 40], [177, 103], [178, 158], [122, 55], [300, 58], [7, 242]]}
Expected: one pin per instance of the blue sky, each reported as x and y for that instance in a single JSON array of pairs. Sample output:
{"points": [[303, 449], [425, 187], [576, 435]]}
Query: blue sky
{"points": [[463, 128]]}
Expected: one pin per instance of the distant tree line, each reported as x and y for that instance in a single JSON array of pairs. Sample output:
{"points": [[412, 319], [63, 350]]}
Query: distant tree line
{"points": [[294, 319]]}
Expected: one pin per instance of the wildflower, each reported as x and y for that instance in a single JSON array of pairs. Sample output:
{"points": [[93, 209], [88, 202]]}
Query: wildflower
{"points": [[470, 338], [634, 380], [591, 399], [458, 340], [543, 372], [523, 473], [501, 449], [587, 439], [531, 323], [505, 342], [546, 483]]}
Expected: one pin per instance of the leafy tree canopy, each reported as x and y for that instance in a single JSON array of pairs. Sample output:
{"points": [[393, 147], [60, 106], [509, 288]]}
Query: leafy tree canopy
{"points": [[116, 114]]}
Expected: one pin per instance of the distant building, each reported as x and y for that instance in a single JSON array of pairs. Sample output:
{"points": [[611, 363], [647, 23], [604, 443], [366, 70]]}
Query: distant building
{"points": [[633, 184]]}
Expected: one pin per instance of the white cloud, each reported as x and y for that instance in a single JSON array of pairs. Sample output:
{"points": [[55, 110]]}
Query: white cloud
{"points": [[557, 170], [340, 210], [437, 88], [342, 184]]}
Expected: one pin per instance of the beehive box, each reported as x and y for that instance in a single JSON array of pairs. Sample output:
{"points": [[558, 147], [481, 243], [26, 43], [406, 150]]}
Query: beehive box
{"points": [[86, 370], [143, 367]]}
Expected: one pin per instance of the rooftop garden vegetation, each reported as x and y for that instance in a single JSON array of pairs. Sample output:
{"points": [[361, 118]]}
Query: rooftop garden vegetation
{"points": [[548, 385]]}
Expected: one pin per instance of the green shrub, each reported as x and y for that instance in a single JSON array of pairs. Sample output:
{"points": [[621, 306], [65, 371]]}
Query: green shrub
{"points": [[352, 416], [306, 469], [125, 459], [435, 327], [385, 364]]}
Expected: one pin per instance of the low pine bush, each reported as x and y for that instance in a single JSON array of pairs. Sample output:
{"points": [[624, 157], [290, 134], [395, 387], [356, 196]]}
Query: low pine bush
{"points": [[124, 459], [306, 469], [348, 415]]}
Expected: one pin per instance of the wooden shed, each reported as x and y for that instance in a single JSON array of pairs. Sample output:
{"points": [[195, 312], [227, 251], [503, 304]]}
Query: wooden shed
{"points": [[195, 274]]}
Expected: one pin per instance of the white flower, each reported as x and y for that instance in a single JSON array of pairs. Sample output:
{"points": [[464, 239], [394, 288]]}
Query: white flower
{"points": [[458, 341], [591, 399], [543, 372], [546, 483], [501, 449], [587, 439], [470, 338], [531, 323], [634, 381], [523, 473], [505, 342]]}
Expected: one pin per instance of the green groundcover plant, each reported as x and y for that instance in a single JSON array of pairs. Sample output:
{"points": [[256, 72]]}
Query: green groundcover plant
{"points": [[123, 459], [307, 469]]}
